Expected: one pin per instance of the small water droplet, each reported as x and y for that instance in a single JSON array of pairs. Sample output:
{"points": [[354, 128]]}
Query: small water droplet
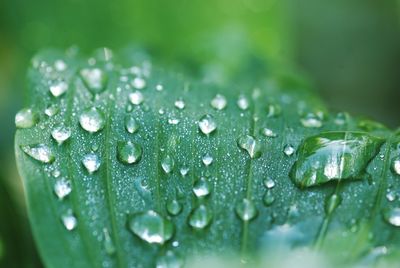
{"points": [[207, 159], [91, 162], [180, 104], [392, 216], [60, 65], [219, 102], [174, 207], [391, 196], [56, 173], [289, 150], [139, 83], [249, 143], [269, 183], [201, 188], [131, 125], [332, 202], [200, 217], [169, 260], [129, 152], [243, 103], [167, 164], [273, 110], [92, 120], [51, 110], [341, 118], [69, 221], [311, 120], [108, 243], [268, 198], [184, 171], [207, 124], [151, 227], [62, 188], [268, 133], [173, 121], [61, 133], [396, 165], [59, 88], [40, 152], [94, 78], [246, 210], [159, 87], [26, 118], [136, 98]]}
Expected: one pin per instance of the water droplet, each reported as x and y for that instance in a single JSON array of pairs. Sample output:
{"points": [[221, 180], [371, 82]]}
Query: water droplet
{"points": [[173, 121], [26, 118], [139, 83], [201, 188], [246, 210], [159, 87], [62, 188], [69, 221], [207, 124], [136, 98], [129, 152], [207, 159], [219, 102], [91, 162], [92, 120], [268, 133], [180, 104], [61, 133], [334, 156], [167, 164], [269, 183], [60, 65], [169, 260], [332, 202], [268, 198], [243, 103], [184, 171], [174, 207], [311, 120], [131, 125], [392, 216], [341, 119], [396, 165], [273, 110], [51, 110], [40, 152], [289, 150], [249, 143], [58, 88], [200, 217], [108, 243], [94, 78], [390, 196], [151, 227]]}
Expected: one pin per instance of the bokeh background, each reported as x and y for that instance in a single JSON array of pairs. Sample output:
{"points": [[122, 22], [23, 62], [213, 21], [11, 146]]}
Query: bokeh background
{"points": [[350, 49]]}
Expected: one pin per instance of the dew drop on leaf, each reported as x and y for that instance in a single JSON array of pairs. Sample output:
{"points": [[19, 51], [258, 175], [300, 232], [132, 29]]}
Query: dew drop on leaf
{"points": [[219, 102], [136, 98], [62, 188], [246, 210], [184, 171], [202, 187], [108, 243], [268, 198], [288, 150], [174, 207], [129, 152], [332, 202], [139, 83], [58, 88], [51, 110], [396, 165], [274, 110], [243, 103], [92, 120], [151, 227], [131, 125], [392, 216], [390, 196], [69, 221], [169, 260], [61, 133], [94, 78], [40, 152], [207, 124], [168, 164], [268, 133], [26, 118], [200, 217], [159, 87], [180, 104], [249, 144], [269, 183], [91, 162], [207, 159], [311, 120]]}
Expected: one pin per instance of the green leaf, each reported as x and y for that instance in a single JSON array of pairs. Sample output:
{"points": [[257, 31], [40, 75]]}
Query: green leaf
{"points": [[129, 165]]}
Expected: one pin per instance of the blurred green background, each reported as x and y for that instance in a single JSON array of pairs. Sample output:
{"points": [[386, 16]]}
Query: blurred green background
{"points": [[350, 49]]}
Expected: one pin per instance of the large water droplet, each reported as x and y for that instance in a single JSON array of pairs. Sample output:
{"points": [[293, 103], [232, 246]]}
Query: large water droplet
{"points": [[207, 159], [169, 260], [69, 221], [62, 188], [58, 88], [180, 104], [168, 164], [246, 210], [269, 183], [151, 227], [94, 78], [243, 103], [139, 83], [92, 120], [174, 207], [129, 152], [131, 125], [136, 98], [249, 143], [91, 162], [311, 120], [200, 217], [219, 102], [40, 152], [61, 133], [207, 124], [289, 150], [334, 156], [108, 243], [26, 118], [392, 216], [201, 188], [332, 202], [396, 165], [268, 198]]}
